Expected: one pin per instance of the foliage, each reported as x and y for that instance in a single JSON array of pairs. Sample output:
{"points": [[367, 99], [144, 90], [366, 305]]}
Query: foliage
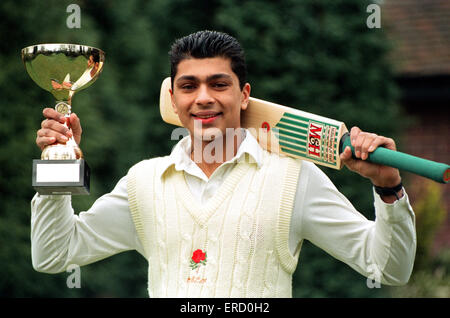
{"points": [[430, 213], [430, 281], [431, 275], [316, 55]]}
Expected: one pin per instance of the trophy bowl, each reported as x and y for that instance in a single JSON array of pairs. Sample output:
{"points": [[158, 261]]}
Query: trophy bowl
{"points": [[62, 69]]}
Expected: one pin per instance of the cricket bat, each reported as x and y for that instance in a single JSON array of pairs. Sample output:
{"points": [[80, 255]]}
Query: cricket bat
{"points": [[299, 134]]}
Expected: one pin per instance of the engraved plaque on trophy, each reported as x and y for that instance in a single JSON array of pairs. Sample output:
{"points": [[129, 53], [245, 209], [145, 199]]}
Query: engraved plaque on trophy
{"points": [[62, 69]]}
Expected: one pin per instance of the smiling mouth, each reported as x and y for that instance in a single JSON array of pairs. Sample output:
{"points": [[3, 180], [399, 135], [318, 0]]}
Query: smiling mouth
{"points": [[207, 116], [206, 119]]}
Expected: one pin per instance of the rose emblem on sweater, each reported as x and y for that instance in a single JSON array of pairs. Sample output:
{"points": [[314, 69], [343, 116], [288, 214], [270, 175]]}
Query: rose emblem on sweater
{"points": [[198, 258]]}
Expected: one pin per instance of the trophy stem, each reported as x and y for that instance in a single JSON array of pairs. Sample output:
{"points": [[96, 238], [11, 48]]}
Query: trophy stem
{"points": [[67, 151]]}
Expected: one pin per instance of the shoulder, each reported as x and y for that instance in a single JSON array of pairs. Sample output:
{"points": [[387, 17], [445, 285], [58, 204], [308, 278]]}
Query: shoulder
{"points": [[315, 179], [142, 174], [158, 163], [307, 169], [283, 166], [275, 158]]}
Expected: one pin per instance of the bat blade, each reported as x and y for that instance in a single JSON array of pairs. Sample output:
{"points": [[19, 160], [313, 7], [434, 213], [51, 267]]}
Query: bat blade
{"points": [[280, 129], [295, 133]]}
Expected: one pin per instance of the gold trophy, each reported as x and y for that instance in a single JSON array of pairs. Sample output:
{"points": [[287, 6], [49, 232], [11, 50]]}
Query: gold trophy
{"points": [[62, 69]]}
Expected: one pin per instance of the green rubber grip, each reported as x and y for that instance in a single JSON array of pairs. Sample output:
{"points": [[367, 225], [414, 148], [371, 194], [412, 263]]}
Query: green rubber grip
{"points": [[436, 171]]}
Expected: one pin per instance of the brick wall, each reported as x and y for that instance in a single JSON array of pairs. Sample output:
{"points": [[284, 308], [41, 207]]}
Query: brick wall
{"points": [[429, 138]]}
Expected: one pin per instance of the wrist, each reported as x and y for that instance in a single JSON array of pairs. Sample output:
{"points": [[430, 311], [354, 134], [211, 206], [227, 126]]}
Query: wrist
{"points": [[387, 182], [390, 194]]}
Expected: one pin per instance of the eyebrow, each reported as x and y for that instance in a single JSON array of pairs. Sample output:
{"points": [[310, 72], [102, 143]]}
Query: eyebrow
{"points": [[209, 78]]}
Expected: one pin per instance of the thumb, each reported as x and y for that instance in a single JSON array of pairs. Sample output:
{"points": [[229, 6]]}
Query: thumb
{"points": [[76, 127], [347, 159]]}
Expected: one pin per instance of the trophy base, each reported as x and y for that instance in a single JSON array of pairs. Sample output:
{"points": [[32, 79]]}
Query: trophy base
{"points": [[61, 177]]}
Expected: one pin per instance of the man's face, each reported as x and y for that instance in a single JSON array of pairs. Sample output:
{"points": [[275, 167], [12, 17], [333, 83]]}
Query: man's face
{"points": [[206, 91]]}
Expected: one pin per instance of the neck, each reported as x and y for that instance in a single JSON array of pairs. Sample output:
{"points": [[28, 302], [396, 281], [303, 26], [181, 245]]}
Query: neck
{"points": [[210, 154]]}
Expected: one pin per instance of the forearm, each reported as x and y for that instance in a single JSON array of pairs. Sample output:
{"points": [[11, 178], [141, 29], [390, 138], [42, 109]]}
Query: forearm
{"points": [[60, 238], [394, 244], [52, 222], [325, 217]]}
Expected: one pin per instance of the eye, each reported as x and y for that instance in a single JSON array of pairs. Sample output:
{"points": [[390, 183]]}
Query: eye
{"points": [[220, 85], [187, 86]]}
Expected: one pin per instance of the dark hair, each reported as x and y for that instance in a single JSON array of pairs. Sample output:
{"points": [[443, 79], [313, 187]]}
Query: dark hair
{"points": [[206, 44]]}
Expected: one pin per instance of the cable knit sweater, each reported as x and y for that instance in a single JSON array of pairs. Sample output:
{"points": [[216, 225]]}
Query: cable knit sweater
{"points": [[235, 245]]}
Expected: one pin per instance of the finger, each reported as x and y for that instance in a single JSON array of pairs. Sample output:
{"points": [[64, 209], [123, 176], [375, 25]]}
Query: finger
{"points": [[346, 154], [50, 113], [74, 121], [43, 142], [46, 133], [354, 132], [388, 143], [357, 144], [349, 162], [46, 123], [51, 124], [366, 144]]}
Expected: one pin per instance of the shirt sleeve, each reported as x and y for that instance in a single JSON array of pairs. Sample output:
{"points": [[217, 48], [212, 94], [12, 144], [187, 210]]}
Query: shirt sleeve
{"points": [[60, 238], [383, 250]]}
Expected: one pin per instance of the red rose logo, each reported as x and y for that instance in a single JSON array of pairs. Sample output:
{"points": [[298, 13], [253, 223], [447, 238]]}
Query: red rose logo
{"points": [[198, 258]]}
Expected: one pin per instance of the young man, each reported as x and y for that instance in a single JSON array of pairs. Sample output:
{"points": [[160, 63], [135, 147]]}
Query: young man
{"points": [[230, 227]]}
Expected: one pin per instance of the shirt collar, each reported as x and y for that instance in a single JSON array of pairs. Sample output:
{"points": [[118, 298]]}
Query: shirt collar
{"points": [[180, 156]]}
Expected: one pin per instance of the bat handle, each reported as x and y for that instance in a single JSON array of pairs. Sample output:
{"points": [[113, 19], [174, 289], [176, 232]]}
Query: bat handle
{"points": [[436, 171]]}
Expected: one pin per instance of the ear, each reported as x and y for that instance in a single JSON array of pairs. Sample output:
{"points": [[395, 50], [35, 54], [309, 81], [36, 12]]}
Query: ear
{"points": [[172, 98], [245, 96]]}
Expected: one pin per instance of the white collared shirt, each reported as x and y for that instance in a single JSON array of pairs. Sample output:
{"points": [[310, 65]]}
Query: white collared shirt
{"points": [[202, 187], [321, 214]]}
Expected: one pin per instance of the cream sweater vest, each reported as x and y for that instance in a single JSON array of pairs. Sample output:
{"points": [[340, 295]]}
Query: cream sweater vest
{"points": [[236, 245]]}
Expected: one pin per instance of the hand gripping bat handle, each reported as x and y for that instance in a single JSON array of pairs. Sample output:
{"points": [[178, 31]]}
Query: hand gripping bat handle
{"points": [[436, 171]]}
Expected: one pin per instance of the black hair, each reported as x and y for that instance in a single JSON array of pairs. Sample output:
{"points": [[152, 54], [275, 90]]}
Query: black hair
{"points": [[207, 44]]}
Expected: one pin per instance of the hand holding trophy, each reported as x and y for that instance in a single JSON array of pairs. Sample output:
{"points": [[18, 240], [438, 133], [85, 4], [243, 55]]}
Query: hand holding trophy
{"points": [[62, 69]]}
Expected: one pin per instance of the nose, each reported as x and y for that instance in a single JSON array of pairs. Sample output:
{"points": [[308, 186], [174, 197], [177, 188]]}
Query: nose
{"points": [[204, 96]]}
